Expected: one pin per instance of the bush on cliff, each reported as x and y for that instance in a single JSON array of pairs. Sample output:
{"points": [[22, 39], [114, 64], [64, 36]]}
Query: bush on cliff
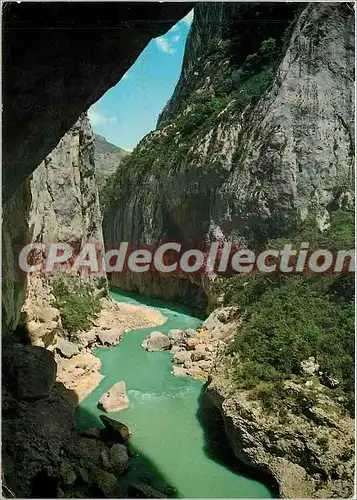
{"points": [[290, 318]]}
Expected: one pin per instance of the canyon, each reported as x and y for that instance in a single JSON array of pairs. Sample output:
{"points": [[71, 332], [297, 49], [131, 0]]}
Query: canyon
{"points": [[255, 147]]}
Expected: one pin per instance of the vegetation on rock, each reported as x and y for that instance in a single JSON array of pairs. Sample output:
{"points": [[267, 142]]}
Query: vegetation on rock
{"points": [[290, 318]]}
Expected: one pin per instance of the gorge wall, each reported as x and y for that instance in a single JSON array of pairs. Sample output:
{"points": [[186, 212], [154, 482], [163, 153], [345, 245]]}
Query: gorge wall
{"points": [[257, 134]]}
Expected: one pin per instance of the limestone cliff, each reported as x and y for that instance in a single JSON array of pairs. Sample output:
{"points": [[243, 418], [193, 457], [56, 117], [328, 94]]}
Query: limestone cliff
{"points": [[258, 131], [65, 204]]}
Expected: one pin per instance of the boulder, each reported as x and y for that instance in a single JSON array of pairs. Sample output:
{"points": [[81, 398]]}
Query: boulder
{"points": [[84, 339], [117, 430], [179, 371], [29, 372], [176, 336], [142, 490], [67, 473], [181, 357], [187, 363], [191, 333], [80, 373], [200, 353], [220, 316], [119, 458], [204, 364], [156, 341], [115, 399], [93, 432], [106, 482], [108, 337], [191, 343], [309, 367], [66, 348]]}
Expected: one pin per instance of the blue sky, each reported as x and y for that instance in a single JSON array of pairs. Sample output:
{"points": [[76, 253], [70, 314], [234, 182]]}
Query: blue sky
{"points": [[130, 110]]}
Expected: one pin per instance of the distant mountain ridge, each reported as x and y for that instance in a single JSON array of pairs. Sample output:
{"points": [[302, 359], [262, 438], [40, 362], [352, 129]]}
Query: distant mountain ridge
{"points": [[107, 157]]}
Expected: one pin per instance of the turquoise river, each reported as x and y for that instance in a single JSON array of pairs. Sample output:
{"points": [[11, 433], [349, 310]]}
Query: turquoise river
{"points": [[166, 417]]}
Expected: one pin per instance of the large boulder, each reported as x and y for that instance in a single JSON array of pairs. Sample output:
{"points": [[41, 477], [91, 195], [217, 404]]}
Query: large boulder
{"points": [[200, 352], [220, 316], [119, 458], [119, 431], [66, 348], [106, 482], [115, 399], [156, 341], [176, 336], [29, 372], [142, 490], [190, 332], [84, 338], [80, 373]]}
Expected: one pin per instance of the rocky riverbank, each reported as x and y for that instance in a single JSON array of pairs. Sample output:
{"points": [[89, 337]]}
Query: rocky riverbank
{"points": [[301, 437]]}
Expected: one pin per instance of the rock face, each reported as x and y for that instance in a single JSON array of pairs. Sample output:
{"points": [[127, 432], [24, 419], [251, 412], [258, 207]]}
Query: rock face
{"points": [[30, 372], [107, 157], [239, 153], [82, 68], [306, 446]]}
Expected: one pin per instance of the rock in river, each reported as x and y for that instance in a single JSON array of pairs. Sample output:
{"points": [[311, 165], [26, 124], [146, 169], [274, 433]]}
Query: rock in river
{"points": [[115, 399], [156, 341]]}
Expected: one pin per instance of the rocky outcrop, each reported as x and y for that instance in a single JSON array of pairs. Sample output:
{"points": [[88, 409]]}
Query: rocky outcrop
{"points": [[64, 74], [244, 147], [305, 445], [79, 373], [107, 158], [42, 453], [15, 235]]}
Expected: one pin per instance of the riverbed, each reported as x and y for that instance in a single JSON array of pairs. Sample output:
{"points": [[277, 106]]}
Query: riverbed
{"points": [[172, 446]]}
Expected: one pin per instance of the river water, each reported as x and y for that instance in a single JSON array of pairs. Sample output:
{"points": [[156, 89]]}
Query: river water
{"points": [[167, 418]]}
